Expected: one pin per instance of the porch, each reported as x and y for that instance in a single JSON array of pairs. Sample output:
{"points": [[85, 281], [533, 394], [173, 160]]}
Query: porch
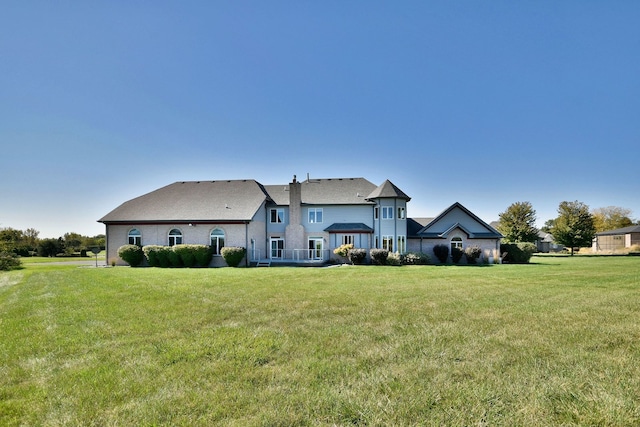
{"points": [[308, 257]]}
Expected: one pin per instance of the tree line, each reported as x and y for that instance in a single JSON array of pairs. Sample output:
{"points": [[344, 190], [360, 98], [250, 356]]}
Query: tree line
{"points": [[575, 225], [28, 243]]}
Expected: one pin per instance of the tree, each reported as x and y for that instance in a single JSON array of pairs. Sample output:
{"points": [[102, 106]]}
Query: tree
{"points": [[611, 218], [73, 242], [548, 225], [574, 225], [517, 223]]}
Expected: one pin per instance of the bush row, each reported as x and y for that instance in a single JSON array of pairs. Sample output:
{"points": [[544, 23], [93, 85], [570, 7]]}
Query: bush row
{"points": [[471, 253], [178, 255]]}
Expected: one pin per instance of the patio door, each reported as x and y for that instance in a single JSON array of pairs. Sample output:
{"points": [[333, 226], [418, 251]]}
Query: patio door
{"points": [[315, 248], [277, 247]]}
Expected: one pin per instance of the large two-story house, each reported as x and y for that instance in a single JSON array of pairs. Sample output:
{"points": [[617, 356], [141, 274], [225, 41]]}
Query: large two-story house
{"points": [[299, 222]]}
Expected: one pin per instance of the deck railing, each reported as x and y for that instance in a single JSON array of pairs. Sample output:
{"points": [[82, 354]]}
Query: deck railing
{"points": [[291, 255]]}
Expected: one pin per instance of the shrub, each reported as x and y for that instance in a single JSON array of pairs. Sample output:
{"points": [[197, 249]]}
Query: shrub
{"points": [[186, 255], [416, 258], [379, 256], [456, 255], [357, 255], [472, 253], [152, 255], [173, 257], [441, 252], [9, 261], [233, 255], [518, 253], [394, 258], [131, 254], [203, 254], [343, 250]]}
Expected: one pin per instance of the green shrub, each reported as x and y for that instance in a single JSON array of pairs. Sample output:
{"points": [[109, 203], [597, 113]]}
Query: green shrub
{"points": [[151, 253], [186, 255], [357, 255], [233, 255], [9, 261], [203, 254], [416, 258], [456, 255], [441, 252], [174, 258], [379, 256], [518, 253], [394, 258], [131, 254], [472, 253]]}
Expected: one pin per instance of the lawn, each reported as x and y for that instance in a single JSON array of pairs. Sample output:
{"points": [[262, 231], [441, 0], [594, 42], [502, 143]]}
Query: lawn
{"points": [[552, 343]]}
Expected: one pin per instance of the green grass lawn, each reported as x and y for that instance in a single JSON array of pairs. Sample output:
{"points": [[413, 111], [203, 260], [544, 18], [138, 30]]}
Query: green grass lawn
{"points": [[556, 342]]}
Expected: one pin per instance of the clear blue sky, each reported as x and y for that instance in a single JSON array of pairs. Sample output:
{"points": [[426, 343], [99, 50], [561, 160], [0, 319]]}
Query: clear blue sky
{"points": [[482, 102]]}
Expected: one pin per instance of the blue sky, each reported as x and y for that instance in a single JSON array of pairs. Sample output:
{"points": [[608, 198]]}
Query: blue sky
{"points": [[482, 102]]}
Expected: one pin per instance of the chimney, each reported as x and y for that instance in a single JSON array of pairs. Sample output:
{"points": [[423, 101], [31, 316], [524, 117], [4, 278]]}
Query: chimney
{"points": [[295, 200]]}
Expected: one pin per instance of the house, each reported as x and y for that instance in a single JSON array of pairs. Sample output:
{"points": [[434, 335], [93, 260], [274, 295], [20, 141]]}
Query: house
{"points": [[545, 243], [620, 238], [456, 227], [299, 222]]}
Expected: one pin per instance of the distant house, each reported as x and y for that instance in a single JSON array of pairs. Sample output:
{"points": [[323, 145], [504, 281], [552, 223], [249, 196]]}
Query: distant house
{"points": [[620, 238], [299, 222], [545, 243]]}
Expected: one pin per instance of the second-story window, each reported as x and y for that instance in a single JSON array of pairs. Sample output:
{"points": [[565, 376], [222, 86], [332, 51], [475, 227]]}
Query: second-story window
{"points": [[401, 213], [277, 215], [315, 215], [387, 212]]}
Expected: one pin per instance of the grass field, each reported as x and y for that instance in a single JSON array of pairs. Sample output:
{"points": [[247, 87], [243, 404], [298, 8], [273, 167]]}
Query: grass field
{"points": [[553, 343]]}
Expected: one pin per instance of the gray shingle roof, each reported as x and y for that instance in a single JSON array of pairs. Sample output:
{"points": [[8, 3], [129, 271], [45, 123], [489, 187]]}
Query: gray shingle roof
{"points": [[388, 190], [327, 191], [431, 231], [349, 227], [233, 200]]}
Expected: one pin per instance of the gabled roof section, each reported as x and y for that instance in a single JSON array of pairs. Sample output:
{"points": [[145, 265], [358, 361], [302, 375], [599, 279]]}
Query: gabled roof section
{"points": [[388, 190], [452, 218], [326, 191], [414, 225], [233, 200], [349, 227], [623, 230]]}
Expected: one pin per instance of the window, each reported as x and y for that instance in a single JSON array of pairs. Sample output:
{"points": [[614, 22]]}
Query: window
{"points": [[402, 244], [175, 237], [387, 212], [347, 239], [456, 242], [401, 213], [387, 243], [217, 240], [376, 212], [277, 215], [315, 215], [376, 243], [135, 237]]}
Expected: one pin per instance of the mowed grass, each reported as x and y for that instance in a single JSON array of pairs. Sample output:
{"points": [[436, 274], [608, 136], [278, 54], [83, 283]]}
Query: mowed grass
{"points": [[551, 343]]}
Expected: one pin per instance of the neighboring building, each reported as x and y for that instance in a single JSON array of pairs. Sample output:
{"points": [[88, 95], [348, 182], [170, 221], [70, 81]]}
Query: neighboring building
{"points": [[620, 238], [546, 243], [301, 222]]}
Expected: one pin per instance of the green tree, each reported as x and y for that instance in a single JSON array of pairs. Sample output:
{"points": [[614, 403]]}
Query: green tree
{"points": [[611, 218], [73, 242], [517, 223], [548, 225], [574, 225]]}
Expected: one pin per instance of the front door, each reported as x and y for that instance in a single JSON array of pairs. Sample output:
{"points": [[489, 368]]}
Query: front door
{"points": [[315, 248], [277, 247]]}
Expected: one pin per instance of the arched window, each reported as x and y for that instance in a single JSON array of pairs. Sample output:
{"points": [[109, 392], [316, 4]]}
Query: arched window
{"points": [[135, 237], [217, 240], [175, 237], [456, 242]]}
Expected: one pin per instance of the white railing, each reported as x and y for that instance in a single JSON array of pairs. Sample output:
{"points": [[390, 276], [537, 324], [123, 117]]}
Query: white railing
{"points": [[292, 255]]}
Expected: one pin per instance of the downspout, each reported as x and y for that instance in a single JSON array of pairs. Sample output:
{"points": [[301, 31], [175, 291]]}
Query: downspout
{"points": [[246, 243]]}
